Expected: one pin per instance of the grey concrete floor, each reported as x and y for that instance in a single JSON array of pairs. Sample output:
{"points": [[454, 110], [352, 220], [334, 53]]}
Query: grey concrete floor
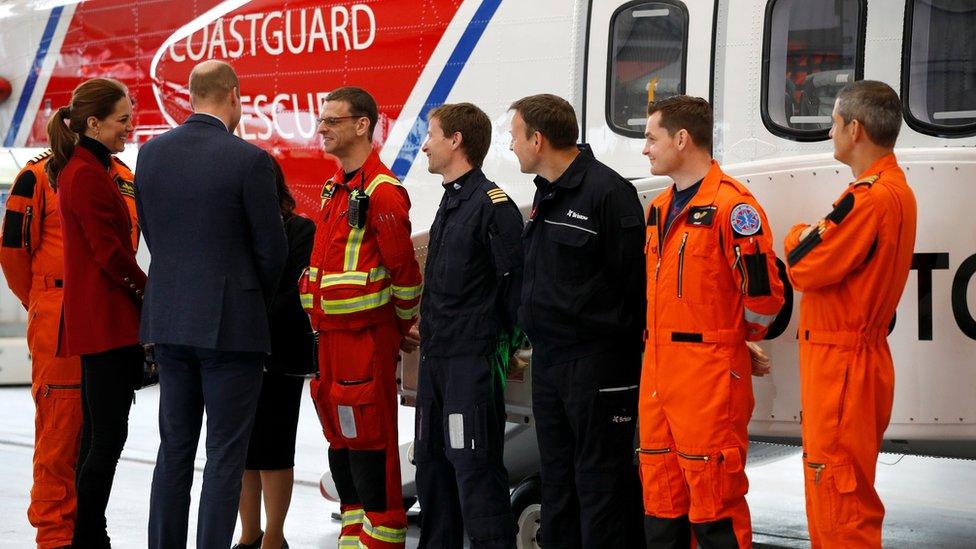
{"points": [[931, 502]]}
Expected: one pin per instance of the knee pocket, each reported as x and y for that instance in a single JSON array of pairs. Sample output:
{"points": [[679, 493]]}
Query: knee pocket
{"points": [[663, 486], [46, 499], [466, 435], [357, 413], [714, 481], [833, 487]]}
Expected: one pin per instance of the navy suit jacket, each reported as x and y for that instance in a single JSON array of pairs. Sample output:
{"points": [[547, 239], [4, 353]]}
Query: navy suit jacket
{"points": [[208, 209]]}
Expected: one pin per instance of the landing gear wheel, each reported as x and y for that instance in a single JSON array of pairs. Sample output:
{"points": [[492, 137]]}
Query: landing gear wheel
{"points": [[527, 508]]}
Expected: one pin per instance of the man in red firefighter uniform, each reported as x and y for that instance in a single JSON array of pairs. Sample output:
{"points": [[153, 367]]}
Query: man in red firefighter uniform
{"points": [[851, 267], [712, 286], [362, 290], [31, 257]]}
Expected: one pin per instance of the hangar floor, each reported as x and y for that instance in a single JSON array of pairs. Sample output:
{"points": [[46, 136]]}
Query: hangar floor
{"points": [[930, 501]]}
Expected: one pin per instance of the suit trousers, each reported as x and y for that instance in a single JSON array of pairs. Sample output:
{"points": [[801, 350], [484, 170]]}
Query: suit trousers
{"points": [[226, 385], [107, 382]]}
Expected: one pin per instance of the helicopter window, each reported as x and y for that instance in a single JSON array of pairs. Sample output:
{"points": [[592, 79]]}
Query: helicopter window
{"points": [[648, 42], [811, 51], [940, 73]]}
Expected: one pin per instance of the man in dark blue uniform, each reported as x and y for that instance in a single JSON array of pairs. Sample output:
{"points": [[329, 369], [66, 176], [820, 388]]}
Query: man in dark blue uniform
{"points": [[583, 309], [472, 280]]}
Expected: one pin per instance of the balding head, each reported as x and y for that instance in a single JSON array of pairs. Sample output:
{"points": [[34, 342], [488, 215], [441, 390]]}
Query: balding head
{"points": [[211, 82], [214, 89]]}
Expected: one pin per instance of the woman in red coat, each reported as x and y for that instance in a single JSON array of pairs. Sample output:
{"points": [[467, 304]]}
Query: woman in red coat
{"points": [[103, 287]]}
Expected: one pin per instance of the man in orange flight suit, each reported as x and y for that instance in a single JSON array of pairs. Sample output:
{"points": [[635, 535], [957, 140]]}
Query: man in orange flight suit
{"points": [[32, 264], [362, 290], [851, 267], [712, 286]]}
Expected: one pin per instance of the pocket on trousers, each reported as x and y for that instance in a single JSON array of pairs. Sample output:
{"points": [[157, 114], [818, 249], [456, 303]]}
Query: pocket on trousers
{"points": [[320, 400], [843, 500], [46, 501], [831, 491], [655, 478], [701, 475], [466, 435], [356, 413], [734, 482]]}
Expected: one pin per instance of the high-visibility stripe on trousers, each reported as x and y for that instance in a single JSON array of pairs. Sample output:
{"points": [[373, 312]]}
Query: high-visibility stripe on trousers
{"points": [[355, 397]]}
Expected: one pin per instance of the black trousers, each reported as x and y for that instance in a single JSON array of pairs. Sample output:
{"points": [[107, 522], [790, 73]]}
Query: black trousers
{"points": [[459, 442], [108, 380], [586, 415]]}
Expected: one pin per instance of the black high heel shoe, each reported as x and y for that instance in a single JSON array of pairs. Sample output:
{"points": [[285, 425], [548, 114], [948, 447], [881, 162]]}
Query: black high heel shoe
{"points": [[256, 544]]}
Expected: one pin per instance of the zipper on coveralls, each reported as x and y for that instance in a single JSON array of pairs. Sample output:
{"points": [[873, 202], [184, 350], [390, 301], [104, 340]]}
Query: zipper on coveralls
{"points": [[653, 450], [693, 457], [48, 388], [29, 214], [681, 261], [818, 467], [741, 267]]}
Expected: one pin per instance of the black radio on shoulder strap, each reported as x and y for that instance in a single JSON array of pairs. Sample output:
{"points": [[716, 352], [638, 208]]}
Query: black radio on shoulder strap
{"points": [[358, 205]]}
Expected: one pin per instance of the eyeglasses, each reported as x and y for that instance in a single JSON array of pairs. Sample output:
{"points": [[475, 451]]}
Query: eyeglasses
{"points": [[332, 121]]}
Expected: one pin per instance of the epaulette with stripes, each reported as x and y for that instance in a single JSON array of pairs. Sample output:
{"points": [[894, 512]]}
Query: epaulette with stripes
{"points": [[42, 156], [497, 196], [869, 180]]}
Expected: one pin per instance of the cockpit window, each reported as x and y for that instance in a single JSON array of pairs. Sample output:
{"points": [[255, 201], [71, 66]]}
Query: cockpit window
{"points": [[811, 50], [939, 69], [647, 56]]}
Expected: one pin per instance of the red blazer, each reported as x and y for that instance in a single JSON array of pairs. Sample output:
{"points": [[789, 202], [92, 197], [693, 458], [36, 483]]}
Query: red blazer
{"points": [[103, 284]]}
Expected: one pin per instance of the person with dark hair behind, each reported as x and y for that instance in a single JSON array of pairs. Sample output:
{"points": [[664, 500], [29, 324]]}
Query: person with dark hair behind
{"points": [[103, 287], [270, 463]]}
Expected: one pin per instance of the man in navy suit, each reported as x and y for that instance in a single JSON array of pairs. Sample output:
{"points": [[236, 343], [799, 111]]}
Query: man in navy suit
{"points": [[208, 209]]}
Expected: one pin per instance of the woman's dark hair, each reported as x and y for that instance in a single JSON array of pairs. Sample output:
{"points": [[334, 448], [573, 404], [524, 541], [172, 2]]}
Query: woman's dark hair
{"points": [[96, 97], [286, 202]]}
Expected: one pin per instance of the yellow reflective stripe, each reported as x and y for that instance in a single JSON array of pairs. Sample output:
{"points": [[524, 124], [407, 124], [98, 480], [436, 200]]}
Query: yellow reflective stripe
{"points": [[307, 300], [382, 533], [351, 259], [350, 277], [313, 274], [349, 541], [353, 517], [359, 278], [356, 304], [378, 273], [407, 314], [407, 292], [382, 178]]}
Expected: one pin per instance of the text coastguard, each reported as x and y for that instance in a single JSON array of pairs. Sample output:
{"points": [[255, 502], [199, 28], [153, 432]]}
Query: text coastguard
{"points": [[472, 281], [851, 267], [31, 257], [582, 307], [362, 290], [712, 286]]}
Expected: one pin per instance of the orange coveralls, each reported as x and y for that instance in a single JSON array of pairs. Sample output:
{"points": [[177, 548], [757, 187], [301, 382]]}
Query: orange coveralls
{"points": [[712, 285], [851, 269], [362, 291], [32, 264]]}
